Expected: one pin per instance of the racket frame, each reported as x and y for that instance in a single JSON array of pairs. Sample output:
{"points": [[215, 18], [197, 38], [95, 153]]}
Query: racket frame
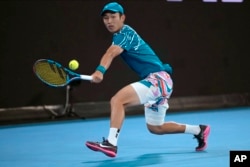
{"points": [[75, 76]]}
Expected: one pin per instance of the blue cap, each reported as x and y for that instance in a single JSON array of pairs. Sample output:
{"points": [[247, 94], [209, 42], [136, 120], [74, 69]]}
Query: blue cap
{"points": [[113, 7]]}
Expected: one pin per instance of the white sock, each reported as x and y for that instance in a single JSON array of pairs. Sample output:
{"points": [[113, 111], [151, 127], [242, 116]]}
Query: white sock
{"points": [[192, 129], [113, 136]]}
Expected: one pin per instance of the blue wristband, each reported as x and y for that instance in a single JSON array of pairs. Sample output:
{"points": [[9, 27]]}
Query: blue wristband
{"points": [[101, 69]]}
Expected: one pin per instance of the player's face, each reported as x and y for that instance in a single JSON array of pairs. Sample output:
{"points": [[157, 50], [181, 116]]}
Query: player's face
{"points": [[113, 21]]}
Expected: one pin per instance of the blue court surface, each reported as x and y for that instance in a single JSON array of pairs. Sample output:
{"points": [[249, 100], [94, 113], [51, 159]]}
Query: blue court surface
{"points": [[62, 143]]}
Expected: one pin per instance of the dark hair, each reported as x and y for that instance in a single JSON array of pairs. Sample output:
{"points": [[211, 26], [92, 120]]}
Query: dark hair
{"points": [[110, 11]]}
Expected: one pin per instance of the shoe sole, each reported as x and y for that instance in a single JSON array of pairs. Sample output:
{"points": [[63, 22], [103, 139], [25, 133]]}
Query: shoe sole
{"points": [[206, 134], [97, 148]]}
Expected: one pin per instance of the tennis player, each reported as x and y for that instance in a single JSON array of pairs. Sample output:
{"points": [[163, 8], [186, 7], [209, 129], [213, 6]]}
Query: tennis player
{"points": [[153, 90]]}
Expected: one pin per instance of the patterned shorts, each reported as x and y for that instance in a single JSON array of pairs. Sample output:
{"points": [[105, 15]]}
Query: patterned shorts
{"points": [[154, 92]]}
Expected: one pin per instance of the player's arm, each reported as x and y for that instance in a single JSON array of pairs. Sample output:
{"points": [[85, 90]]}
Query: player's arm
{"points": [[106, 60]]}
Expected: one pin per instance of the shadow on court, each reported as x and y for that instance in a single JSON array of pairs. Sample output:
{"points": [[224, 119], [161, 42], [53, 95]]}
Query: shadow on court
{"points": [[144, 160]]}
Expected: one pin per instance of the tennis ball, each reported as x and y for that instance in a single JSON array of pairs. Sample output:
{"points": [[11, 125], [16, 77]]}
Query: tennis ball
{"points": [[73, 64]]}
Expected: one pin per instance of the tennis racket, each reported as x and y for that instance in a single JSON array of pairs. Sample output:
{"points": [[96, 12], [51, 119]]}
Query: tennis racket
{"points": [[54, 74]]}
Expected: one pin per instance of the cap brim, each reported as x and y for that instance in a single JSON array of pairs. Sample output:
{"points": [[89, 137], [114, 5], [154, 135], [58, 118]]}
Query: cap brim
{"points": [[109, 11]]}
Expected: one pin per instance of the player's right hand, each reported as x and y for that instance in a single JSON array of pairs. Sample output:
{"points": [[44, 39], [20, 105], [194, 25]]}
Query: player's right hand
{"points": [[97, 77]]}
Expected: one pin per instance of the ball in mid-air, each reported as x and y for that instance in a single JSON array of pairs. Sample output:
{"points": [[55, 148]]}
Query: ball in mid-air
{"points": [[73, 64]]}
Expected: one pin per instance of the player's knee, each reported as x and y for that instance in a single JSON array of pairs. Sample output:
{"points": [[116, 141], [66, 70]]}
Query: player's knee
{"points": [[115, 101], [155, 129], [112, 100]]}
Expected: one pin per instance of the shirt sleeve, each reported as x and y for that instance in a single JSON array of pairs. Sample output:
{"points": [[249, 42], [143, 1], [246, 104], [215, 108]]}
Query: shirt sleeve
{"points": [[123, 40]]}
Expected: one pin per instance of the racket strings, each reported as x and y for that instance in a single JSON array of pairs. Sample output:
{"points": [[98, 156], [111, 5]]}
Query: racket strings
{"points": [[51, 73]]}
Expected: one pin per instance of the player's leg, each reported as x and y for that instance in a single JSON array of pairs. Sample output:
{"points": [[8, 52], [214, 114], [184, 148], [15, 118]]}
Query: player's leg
{"points": [[155, 120], [125, 97], [155, 111], [157, 125]]}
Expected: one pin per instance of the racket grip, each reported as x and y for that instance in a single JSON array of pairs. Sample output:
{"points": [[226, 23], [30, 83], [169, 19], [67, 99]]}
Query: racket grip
{"points": [[86, 77]]}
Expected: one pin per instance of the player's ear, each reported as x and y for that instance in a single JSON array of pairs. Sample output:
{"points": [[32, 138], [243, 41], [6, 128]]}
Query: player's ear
{"points": [[123, 17]]}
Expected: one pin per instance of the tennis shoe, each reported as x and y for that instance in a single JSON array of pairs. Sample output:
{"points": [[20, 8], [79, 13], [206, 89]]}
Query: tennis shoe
{"points": [[202, 137], [104, 147]]}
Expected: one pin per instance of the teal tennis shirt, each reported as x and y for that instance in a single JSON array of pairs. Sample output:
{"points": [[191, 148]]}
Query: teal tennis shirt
{"points": [[137, 53]]}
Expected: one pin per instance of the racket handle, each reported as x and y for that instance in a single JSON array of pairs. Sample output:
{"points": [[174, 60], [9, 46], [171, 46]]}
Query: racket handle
{"points": [[86, 77]]}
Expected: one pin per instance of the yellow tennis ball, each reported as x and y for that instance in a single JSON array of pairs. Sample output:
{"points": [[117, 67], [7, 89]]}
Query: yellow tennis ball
{"points": [[73, 64]]}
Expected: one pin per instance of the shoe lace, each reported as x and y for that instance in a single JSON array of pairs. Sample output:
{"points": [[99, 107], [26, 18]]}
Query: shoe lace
{"points": [[199, 138], [105, 141]]}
